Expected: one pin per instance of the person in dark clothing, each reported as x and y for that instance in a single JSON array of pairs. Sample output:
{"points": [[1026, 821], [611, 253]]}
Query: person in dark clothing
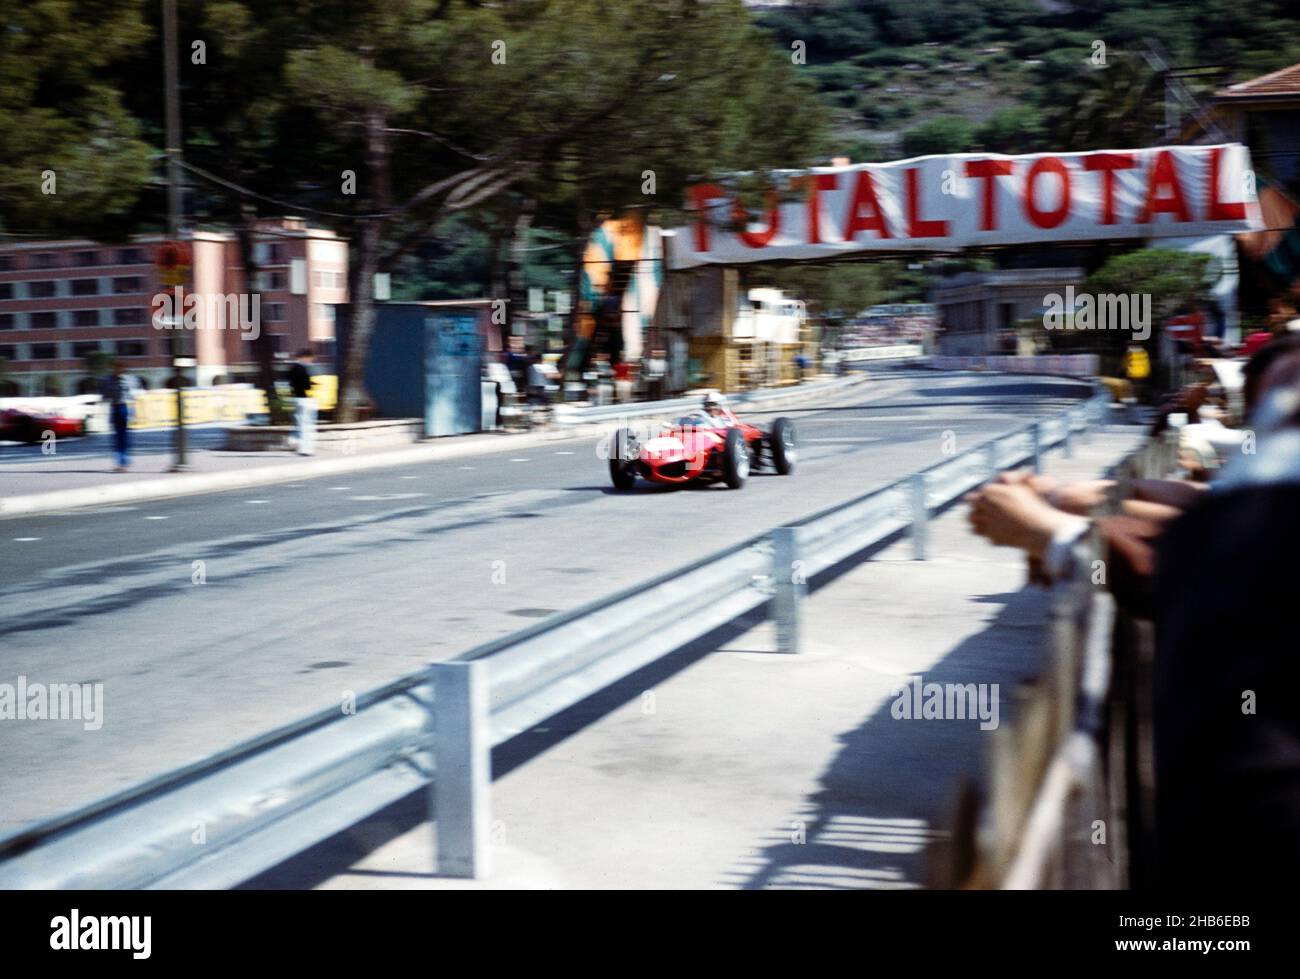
{"points": [[304, 413], [119, 390], [1227, 732]]}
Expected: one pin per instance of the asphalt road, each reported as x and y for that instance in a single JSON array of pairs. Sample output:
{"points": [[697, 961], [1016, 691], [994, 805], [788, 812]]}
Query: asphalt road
{"points": [[211, 618]]}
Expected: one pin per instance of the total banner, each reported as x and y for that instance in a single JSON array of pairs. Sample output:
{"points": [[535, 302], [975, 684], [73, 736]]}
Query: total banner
{"points": [[972, 200]]}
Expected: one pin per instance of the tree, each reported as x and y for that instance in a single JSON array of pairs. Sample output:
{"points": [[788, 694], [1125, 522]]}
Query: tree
{"points": [[942, 134], [1177, 282], [71, 155], [1017, 129], [440, 107]]}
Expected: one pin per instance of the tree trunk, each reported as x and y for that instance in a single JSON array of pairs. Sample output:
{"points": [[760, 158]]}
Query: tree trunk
{"points": [[263, 345], [363, 263], [518, 291]]}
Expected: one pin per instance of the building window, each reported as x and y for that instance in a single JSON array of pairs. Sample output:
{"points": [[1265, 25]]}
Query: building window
{"points": [[43, 321], [45, 351], [85, 258], [277, 254], [40, 290], [324, 312], [6, 290], [85, 287], [128, 284], [85, 317], [42, 260], [83, 350], [7, 321], [8, 351], [7, 263], [128, 316], [130, 256], [274, 312], [277, 282], [132, 348]]}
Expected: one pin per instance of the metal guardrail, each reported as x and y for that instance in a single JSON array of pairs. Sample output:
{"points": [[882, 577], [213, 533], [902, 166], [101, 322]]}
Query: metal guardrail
{"points": [[1063, 771], [566, 414], [897, 351], [227, 818]]}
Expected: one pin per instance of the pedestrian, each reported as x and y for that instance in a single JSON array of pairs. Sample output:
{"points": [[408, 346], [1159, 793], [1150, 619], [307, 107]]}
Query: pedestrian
{"points": [[304, 412], [655, 374], [623, 380], [119, 390]]}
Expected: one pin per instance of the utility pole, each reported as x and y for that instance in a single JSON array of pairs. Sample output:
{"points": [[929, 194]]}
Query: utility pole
{"points": [[171, 95]]}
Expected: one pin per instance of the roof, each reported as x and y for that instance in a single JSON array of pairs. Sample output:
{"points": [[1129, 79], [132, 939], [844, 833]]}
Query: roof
{"points": [[1283, 83]]}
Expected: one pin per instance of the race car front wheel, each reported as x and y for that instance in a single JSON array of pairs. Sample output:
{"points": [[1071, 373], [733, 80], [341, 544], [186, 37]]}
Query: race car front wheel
{"points": [[735, 459], [781, 443], [623, 455]]}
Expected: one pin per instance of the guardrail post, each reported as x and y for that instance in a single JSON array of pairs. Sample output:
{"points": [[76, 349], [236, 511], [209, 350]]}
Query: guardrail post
{"points": [[462, 750], [920, 516], [991, 460], [790, 587], [1036, 434]]}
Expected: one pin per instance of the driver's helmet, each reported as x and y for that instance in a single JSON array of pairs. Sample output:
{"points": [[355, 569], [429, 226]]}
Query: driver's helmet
{"points": [[713, 403]]}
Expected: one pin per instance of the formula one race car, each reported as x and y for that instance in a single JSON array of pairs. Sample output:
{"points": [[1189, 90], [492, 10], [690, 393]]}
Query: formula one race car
{"points": [[710, 444]]}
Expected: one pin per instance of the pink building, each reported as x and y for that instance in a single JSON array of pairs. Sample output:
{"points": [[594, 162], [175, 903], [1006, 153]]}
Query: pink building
{"points": [[63, 300]]}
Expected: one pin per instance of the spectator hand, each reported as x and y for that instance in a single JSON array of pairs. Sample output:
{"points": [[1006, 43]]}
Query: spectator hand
{"points": [[1013, 515]]}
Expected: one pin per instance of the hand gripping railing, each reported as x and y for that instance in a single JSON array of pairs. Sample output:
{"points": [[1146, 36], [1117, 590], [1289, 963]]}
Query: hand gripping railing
{"points": [[225, 819]]}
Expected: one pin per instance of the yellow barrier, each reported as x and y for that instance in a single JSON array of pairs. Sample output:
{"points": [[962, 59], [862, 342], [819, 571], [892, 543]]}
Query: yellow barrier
{"points": [[157, 409]]}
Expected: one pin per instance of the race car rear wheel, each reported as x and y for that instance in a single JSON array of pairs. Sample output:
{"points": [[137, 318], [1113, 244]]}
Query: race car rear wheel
{"points": [[735, 459], [781, 443], [624, 451]]}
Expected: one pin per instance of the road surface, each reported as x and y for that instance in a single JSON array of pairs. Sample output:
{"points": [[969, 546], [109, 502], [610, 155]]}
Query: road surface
{"points": [[209, 619]]}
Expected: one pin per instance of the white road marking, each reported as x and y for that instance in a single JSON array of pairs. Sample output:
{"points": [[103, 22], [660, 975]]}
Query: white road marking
{"points": [[257, 501], [519, 460], [340, 487], [466, 467], [564, 453], [408, 477], [155, 518], [387, 496], [24, 539]]}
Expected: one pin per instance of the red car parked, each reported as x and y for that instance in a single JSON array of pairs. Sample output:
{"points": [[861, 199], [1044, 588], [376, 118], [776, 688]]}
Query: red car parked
{"points": [[30, 424], [710, 445]]}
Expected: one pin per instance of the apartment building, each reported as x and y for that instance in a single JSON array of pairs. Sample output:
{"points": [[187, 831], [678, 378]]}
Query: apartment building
{"points": [[61, 301]]}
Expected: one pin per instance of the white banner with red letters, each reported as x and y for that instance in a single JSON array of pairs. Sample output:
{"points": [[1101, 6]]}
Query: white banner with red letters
{"points": [[970, 200]]}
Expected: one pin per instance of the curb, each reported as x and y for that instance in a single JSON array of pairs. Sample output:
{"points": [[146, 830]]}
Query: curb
{"points": [[480, 444]]}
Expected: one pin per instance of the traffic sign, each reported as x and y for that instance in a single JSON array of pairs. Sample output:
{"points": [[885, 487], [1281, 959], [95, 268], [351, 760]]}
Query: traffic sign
{"points": [[172, 260]]}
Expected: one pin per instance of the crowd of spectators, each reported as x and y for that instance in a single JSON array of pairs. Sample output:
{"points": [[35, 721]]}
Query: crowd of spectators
{"points": [[1211, 558]]}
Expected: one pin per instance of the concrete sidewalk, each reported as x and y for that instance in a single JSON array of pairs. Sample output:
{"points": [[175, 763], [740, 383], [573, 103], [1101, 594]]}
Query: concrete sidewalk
{"points": [[744, 768]]}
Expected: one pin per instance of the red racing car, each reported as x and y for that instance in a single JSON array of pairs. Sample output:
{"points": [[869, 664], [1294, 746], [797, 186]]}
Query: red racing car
{"points": [[710, 445]]}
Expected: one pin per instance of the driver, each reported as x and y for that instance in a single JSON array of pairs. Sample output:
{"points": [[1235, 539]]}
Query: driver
{"points": [[713, 406]]}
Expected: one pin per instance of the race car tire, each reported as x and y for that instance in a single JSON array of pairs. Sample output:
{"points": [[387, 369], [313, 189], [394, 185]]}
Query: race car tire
{"points": [[623, 454], [735, 460], [782, 446]]}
